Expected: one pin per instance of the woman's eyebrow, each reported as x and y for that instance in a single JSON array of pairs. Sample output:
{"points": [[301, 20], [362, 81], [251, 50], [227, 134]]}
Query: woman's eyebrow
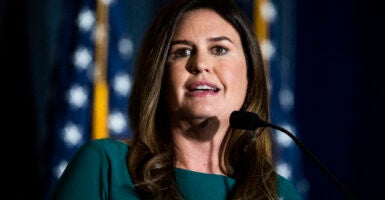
{"points": [[181, 42], [213, 39], [220, 38]]}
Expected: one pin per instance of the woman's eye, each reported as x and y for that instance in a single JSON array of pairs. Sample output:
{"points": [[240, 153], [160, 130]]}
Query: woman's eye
{"points": [[219, 50], [180, 53]]}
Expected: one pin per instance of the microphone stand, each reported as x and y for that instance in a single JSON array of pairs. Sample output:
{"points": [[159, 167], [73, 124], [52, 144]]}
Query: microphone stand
{"points": [[313, 157]]}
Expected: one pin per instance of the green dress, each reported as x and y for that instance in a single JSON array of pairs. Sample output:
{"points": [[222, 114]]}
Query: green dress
{"points": [[99, 171]]}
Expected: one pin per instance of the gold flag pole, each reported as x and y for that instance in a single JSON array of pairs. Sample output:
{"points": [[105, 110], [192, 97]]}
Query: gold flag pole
{"points": [[261, 27], [100, 104]]}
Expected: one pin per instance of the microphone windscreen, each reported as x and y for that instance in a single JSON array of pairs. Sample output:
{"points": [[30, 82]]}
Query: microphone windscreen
{"points": [[244, 120]]}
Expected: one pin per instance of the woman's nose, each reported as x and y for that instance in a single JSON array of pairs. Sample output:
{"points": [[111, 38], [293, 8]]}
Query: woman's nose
{"points": [[200, 63]]}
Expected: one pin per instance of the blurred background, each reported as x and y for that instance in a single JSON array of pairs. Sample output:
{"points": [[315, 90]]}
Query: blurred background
{"points": [[325, 59]]}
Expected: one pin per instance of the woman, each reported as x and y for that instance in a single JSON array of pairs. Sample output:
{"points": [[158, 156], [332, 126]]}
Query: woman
{"points": [[199, 62]]}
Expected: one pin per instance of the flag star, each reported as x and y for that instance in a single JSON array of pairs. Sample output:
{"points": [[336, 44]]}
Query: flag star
{"points": [[59, 169], [77, 96], [122, 84], [267, 48], [268, 11], [108, 2], [126, 48], [72, 134], [283, 139], [86, 20], [82, 58], [284, 170], [117, 122], [286, 99]]}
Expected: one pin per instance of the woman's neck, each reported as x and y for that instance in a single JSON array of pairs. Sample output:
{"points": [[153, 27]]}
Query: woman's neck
{"points": [[197, 146]]}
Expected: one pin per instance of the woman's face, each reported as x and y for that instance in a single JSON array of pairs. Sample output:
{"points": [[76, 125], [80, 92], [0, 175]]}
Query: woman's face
{"points": [[206, 75]]}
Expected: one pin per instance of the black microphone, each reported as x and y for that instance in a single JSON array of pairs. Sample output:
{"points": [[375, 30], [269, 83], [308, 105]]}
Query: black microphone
{"points": [[251, 121]]}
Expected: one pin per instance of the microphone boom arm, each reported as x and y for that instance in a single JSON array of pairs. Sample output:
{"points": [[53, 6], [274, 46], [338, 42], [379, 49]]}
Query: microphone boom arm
{"points": [[313, 158], [251, 121]]}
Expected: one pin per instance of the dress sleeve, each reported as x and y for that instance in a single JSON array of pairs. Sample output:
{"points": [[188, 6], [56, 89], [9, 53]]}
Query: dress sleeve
{"points": [[85, 177], [286, 190]]}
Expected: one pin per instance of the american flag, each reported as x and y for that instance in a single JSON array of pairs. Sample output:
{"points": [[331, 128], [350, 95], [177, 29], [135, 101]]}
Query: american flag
{"points": [[274, 22], [275, 27], [95, 54], [92, 80]]}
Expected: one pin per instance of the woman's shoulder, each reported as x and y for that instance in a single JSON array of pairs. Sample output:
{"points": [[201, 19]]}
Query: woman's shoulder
{"points": [[287, 190], [108, 142], [98, 168], [106, 146]]}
